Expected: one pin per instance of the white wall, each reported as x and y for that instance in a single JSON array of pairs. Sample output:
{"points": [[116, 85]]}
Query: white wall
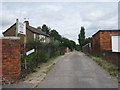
{"points": [[115, 43]]}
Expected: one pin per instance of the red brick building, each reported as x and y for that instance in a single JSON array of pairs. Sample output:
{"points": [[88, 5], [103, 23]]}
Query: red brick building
{"points": [[102, 41], [31, 33]]}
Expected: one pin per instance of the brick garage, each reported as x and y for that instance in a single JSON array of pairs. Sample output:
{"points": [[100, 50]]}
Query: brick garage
{"points": [[102, 44], [113, 57], [10, 59], [102, 41]]}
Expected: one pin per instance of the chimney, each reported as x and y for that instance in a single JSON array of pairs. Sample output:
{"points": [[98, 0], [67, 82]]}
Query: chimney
{"points": [[27, 23], [39, 28]]}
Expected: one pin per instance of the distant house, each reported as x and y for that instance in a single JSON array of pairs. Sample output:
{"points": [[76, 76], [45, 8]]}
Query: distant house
{"points": [[31, 33], [102, 41]]}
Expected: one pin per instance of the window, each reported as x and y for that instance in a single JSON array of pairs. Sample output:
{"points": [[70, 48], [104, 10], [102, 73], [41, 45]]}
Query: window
{"points": [[42, 38], [35, 36], [115, 43]]}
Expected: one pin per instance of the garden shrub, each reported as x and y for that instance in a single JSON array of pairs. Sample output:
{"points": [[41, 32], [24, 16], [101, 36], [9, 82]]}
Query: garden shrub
{"points": [[42, 56]]}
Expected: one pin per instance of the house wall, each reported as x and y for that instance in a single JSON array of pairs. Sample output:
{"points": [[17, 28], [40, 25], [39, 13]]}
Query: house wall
{"points": [[106, 39], [47, 39], [102, 41], [10, 59], [96, 44], [11, 31], [29, 36], [102, 45]]}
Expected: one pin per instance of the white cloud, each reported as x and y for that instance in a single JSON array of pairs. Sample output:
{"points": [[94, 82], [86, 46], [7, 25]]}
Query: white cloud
{"points": [[50, 7], [66, 18], [61, 1]]}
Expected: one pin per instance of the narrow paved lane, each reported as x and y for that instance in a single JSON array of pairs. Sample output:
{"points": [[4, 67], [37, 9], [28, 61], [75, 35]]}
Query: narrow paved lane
{"points": [[76, 70]]}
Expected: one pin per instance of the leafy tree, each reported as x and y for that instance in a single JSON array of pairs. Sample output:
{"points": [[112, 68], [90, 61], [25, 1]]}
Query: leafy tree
{"points": [[88, 40], [81, 37], [55, 35], [73, 44], [63, 42], [45, 29], [77, 47], [68, 43]]}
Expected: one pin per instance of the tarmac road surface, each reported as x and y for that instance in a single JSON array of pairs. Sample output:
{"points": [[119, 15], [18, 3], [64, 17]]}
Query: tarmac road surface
{"points": [[76, 70]]}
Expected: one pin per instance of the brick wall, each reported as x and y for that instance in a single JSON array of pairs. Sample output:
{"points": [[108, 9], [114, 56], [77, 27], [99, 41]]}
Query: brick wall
{"points": [[96, 44], [10, 59], [105, 39], [102, 45], [102, 40], [113, 57]]}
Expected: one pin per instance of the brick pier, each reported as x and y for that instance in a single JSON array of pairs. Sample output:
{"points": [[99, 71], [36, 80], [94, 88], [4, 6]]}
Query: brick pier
{"points": [[10, 55]]}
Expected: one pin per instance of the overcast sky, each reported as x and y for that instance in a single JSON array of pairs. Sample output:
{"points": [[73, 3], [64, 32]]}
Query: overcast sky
{"points": [[65, 17]]}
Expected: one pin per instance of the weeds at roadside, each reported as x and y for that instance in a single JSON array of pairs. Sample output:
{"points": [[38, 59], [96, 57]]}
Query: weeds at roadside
{"points": [[49, 68], [110, 67]]}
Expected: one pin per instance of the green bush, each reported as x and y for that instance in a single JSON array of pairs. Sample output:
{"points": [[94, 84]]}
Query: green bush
{"points": [[31, 58], [42, 56], [57, 53], [34, 70]]}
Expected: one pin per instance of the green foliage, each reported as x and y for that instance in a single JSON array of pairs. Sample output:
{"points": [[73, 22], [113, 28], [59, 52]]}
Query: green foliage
{"points": [[55, 35], [55, 43], [68, 43], [33, 60], [81, 37], [77, 47], [45, 51], [42, 56], [55, 48], [88, 40], [30, 58], [45, 29], [72, 45], [35, 44], [110, 67], [57, 53], [63, 42], [50, 68], [34, 70]]}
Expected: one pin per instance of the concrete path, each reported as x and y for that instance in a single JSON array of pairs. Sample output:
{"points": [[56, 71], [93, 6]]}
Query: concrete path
{"points": [[76, 70]]}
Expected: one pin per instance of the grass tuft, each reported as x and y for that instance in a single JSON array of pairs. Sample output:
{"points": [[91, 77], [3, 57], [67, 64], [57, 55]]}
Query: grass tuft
{"points": [[110, 67]]}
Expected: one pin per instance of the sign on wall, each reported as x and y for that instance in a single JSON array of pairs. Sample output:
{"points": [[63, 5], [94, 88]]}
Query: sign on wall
{"points": [[115, 43]]}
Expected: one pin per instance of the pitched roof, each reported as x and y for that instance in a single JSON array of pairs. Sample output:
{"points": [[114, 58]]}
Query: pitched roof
{"points": [[36, 31], [9, 28], [105, 31], [31, 29]]}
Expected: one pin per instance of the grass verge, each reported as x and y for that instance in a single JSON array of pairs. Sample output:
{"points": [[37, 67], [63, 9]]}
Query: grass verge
{"points": [[110, 67], [49, 68]]}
